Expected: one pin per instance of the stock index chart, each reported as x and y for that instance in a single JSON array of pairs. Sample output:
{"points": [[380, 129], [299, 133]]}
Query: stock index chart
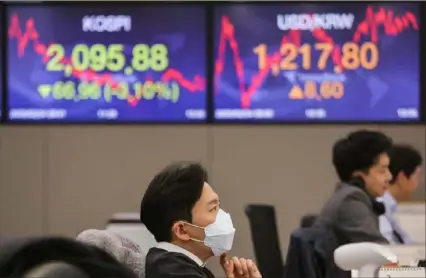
{"points": [[89, 63], [317, 62]]}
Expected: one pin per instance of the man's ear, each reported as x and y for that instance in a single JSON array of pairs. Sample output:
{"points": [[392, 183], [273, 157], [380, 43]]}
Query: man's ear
{"points": [[400, 176], [179, 230], [358, 174]]}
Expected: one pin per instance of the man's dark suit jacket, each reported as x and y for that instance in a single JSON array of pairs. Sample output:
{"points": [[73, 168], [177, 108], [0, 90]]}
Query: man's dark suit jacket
{"points": [[349, 213], [310, 254], [161, 263]]}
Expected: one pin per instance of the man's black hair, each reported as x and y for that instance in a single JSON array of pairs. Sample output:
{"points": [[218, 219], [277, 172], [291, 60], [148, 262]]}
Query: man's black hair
{"points": [[359, 151], [171, 196], [405, 159]]}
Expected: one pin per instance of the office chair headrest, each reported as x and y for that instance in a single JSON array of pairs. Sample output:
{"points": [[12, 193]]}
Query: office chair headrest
{"points": [[258, 207], [54, 270], [121, 248]]}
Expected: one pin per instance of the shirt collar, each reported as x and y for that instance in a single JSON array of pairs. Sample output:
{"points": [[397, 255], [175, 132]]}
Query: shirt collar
{"points": [[177, 249], [389, 202]]}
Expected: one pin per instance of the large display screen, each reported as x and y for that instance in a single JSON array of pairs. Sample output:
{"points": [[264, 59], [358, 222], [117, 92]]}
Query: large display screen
{"points": [[317, 62], [109, 62], [1, 64]]}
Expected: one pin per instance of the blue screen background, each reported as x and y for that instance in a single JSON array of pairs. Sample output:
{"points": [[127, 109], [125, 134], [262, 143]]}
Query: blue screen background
{"points": [[181, 28], [372, 95]]}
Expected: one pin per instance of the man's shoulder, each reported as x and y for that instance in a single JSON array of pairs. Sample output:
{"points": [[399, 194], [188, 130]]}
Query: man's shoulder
{"points": [[338, 201], [349, 192], [161, 261]]}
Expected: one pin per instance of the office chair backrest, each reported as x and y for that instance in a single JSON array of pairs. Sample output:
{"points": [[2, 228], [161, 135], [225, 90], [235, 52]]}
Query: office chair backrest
{"points": [[129, 226], [266, 244]]}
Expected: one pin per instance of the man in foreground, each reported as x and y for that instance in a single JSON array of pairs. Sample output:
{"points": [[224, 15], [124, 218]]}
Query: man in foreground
{"points": [[183, 213], [405, 166], [362, 165]]}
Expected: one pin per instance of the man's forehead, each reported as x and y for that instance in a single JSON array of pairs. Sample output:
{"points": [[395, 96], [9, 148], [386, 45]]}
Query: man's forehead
{"points": [[209, 195], [383, 160]]}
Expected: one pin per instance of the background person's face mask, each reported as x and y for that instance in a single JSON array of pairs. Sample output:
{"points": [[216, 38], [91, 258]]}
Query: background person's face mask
{"points": [[219, 234]]}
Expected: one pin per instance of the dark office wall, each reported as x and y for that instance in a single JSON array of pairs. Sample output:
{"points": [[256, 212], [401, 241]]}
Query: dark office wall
{"points": [[61, 180]]}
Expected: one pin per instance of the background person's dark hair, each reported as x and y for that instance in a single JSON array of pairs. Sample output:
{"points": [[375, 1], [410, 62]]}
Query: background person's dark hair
{"points": [[405, 159], [359, 151], [171, 196]]}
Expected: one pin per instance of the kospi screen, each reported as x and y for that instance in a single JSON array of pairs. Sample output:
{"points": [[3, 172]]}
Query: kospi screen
{"points": [[347, 62], [109, 62]]}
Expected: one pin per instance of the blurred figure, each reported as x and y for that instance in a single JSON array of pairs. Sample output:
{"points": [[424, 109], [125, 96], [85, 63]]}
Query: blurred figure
{"points": [[405, 166], [362, 165], [183, 213], [31, 255]]}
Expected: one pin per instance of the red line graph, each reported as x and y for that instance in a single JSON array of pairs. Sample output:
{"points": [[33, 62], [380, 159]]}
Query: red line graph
{"points": [[392, 25], [23, 38]]}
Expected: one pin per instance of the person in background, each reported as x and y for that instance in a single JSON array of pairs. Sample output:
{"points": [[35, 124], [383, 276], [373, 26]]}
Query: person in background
{"points": [[362, 165], [183, 213], [405, 166]]}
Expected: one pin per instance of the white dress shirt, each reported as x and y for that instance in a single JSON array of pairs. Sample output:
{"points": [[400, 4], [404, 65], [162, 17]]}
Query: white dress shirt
{"points": [[388, 223], [177, 249]]}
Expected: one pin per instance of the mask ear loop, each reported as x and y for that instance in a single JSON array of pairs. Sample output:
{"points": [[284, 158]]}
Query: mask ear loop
{"points": [[194, 239], [193, 225], [196, 226]]}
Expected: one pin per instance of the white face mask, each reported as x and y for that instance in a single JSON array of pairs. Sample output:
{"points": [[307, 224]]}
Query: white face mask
{"points": [[219, 234]]}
